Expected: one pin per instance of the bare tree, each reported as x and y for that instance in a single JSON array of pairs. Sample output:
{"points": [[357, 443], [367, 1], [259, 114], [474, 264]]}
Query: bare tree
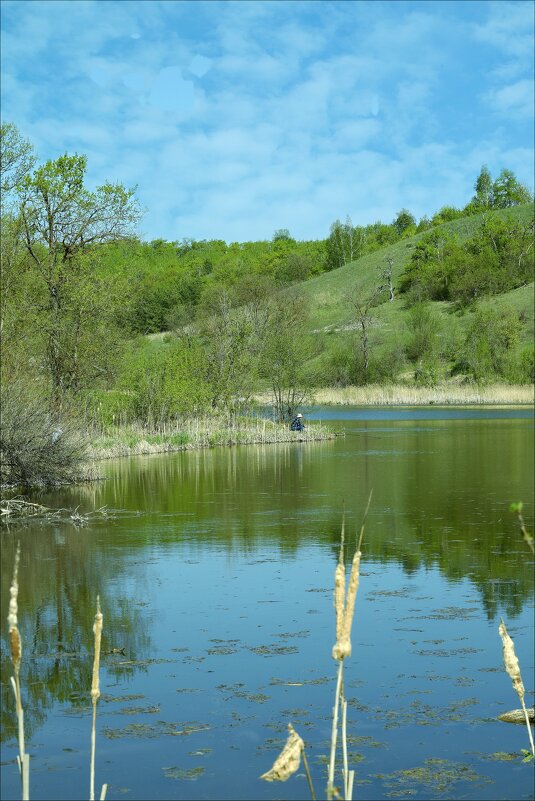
{"points": [[386, 275], [363, 318]]}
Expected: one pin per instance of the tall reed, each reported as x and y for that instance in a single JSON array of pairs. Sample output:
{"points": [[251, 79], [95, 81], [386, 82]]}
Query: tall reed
{"points": [[344, 604], [512, 666], [15, 644], [95, 695]]}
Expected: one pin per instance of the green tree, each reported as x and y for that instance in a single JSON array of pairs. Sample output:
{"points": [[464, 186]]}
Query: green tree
{"points": [[282, 233], [403, 221], [16, 158], [286, 347], [484, 197], [490, 338], [508, 191], [62, 223], [230, 352]]}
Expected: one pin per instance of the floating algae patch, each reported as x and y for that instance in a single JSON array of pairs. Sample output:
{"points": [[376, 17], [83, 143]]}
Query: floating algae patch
{"points": [[274, 650], [158, 729], [221, 650], [365, 740], [403, 592], [137, 710], [305, 682], [189, 774], [286, 635], [452, 613], [502, 756], [236, 691], [115, 699], [435, 777]]}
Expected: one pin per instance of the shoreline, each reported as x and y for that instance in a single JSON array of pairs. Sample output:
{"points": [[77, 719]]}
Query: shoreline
{"points": [[446, 395], [198, 435]]}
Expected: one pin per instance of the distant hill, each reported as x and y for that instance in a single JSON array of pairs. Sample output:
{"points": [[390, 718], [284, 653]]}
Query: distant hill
{"points": [[332, 318]]}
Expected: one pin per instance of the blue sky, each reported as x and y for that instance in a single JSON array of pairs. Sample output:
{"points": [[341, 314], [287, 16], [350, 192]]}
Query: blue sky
{"points": [[238, 118]]}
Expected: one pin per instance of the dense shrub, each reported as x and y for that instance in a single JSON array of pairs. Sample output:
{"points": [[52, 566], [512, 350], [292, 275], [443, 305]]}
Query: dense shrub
{"points": [[490, 343], [37, 447]]}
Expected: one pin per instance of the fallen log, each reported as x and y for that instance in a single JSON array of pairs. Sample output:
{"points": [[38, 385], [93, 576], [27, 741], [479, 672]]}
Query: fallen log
{"points": [[517, 716]]}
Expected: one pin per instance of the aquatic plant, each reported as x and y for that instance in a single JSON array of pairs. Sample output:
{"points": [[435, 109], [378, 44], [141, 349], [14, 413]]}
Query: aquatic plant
{"points": [[95, 695], [15, 643], [344, 604], [288, 761], [512, 666], [526, 536]]}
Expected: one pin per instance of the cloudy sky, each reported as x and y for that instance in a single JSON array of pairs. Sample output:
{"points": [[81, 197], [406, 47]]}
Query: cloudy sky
{"points": [[237, 118]]}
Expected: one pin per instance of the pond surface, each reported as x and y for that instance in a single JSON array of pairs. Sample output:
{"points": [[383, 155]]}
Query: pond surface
{"points": [[216, 583]]}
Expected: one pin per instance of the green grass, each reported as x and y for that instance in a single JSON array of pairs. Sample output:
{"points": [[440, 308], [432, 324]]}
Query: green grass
{"points": [[329, 297], [199, 433], [329, 294], [331, 315]]}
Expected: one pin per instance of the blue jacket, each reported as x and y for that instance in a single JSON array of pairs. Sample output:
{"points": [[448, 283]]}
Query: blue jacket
{"points": [[297, 424]]}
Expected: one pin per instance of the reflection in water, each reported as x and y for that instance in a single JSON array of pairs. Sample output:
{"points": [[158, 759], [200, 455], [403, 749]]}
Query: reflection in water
{"points": [[441, 492], [60, 575]]}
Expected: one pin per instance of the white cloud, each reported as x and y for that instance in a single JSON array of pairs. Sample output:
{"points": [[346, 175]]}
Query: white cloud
{"points": [[238, 118], [514, 99]]}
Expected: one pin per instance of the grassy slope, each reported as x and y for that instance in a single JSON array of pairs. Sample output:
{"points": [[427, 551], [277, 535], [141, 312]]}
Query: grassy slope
{"points": [[329, 294]]}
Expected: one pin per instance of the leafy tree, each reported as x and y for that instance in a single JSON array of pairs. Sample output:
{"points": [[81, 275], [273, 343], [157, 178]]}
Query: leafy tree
{"points": [[484, 197], [428, 273], [170, 385], [285, 348], [16, 158], [508, 191], [403, 221], [230, 352], [491, 337], [282, 233], [446, 214], [62, 222]]}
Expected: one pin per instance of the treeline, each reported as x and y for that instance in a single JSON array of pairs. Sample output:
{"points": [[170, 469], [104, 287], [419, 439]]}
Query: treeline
{"points": [[347, 242], [80, 291], [496, 258]]}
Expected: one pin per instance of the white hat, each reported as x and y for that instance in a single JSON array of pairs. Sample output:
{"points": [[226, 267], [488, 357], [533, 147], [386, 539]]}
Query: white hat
{"points": [[299, 415]]}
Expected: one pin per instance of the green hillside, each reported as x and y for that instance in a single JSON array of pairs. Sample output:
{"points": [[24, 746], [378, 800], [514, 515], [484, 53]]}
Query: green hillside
{"points": [[333, 319], [328, 294]]}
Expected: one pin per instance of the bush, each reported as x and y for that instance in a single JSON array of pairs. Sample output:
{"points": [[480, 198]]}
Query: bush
{"points": [[37, 448], [491, 340], [520, 366]]}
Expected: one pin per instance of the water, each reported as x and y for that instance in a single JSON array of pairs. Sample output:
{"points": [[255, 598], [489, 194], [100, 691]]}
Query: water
{"points": [[216, 580]]}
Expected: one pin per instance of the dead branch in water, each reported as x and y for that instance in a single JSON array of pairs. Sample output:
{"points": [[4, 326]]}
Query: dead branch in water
{"points": [[19, 509]]}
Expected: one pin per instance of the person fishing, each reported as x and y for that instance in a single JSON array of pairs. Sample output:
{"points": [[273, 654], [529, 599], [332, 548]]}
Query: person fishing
{"points": [[297, 424]]}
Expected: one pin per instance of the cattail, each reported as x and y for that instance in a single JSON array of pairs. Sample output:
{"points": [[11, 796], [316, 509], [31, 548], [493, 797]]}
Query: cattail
{"points": [[14, 634], [97, 630], [345, 610], [288, 761], [510, 660], [95, 695]]}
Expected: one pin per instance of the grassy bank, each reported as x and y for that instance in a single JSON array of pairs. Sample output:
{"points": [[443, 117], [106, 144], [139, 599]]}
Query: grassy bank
{"points": [[134, 440], [446, 395]]}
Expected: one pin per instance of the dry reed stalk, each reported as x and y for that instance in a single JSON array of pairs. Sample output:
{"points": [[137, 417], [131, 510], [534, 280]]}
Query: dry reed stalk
{"points": [[344, 604], [15, 643], [289, 759], [95, 695], [510, 660], [287, 763]]}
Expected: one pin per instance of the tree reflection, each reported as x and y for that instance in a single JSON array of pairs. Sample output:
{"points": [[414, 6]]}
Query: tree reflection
{"points": [[60, 575]]}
